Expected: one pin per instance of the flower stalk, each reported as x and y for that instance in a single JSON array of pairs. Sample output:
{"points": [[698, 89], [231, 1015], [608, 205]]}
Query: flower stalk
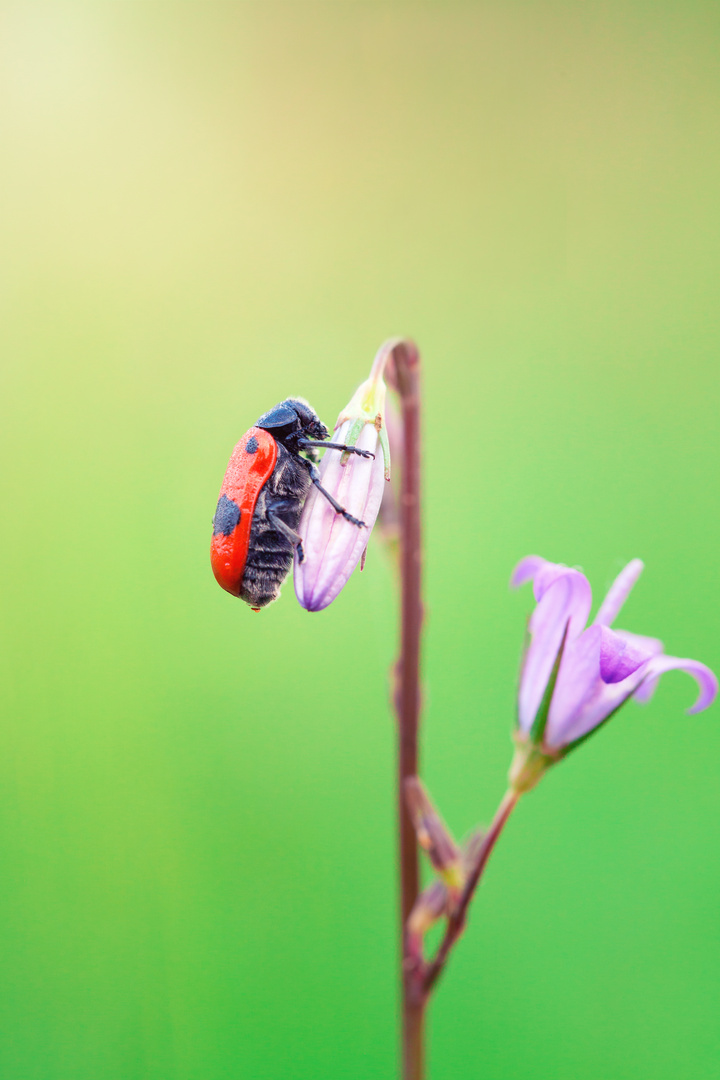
{"points": [[574, 677], [403, 374], [456, 921], [572, 681]]}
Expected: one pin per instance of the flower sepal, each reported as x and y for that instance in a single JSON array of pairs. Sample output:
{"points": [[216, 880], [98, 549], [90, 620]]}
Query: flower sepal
{"points": [[530, 763], [353, 434]]}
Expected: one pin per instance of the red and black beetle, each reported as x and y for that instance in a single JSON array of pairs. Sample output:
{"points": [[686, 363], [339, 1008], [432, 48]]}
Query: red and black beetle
{"points": [[261, 499]]}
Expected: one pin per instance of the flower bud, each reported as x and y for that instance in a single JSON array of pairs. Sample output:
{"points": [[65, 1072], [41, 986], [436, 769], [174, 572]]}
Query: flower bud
{"points": [[434, 902], [333, 546], [434, 836], [430, 906]]}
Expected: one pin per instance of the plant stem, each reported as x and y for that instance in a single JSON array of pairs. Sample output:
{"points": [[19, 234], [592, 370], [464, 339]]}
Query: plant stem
{"points": [[404, 375], [413, 1040], [456, 923]]}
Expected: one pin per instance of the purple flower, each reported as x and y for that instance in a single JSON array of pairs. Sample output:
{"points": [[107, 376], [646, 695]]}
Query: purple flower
{"points": [[332, 545], [575, 678]]}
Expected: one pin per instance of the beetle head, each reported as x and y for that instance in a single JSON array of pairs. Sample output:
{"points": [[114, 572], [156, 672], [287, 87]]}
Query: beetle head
{"points": [[292, 417], [310, 422]]}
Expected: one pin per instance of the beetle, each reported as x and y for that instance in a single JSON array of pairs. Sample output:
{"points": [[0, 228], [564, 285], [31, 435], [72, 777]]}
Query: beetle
{"points": [[261, 499]]}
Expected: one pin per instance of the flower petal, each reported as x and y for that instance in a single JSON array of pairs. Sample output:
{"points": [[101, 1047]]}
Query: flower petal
{"points": [[599, 707], [600, 670], [703, 676], [621, 655], [564, 606], [577, 679], [619, 592], [646, 689], [654, 647], [651, 645], [600, 701], [549, 573]]}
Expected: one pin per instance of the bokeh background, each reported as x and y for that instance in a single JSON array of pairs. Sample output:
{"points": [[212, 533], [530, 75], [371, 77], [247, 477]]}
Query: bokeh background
{"points": [[207, 207]]}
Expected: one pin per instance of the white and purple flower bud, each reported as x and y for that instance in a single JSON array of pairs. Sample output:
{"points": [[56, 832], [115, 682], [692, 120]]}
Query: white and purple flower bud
{"points": [[332, 545], [573, 677]]}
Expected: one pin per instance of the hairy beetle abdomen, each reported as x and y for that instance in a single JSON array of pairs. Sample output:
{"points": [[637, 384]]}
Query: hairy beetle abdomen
{"points": [[270, 552]]}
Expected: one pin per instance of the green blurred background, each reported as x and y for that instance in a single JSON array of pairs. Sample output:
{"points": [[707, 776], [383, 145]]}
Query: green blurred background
{"points": [[207, 207]]}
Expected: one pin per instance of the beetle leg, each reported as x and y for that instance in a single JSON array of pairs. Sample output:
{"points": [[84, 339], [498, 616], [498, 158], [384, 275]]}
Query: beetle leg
{"points": [[315, 477], [282, 527], [335, 446]]}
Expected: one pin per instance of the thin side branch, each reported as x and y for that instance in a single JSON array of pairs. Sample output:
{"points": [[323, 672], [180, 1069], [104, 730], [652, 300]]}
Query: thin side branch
{"points": [[456, 922]]}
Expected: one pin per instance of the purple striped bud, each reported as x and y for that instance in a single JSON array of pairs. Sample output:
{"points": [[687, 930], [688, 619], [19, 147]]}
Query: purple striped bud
{"points": [[333, 546]]}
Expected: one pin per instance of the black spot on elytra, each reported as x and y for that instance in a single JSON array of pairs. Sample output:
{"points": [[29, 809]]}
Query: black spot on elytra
{"points": [[252, 446], [226, 517]]}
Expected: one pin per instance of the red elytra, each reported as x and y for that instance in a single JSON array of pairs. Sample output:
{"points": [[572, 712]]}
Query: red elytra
{"points": [[246, 473]]}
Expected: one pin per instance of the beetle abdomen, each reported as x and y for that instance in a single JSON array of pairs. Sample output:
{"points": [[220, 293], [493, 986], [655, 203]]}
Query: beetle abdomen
{"points": [[270, 552]]}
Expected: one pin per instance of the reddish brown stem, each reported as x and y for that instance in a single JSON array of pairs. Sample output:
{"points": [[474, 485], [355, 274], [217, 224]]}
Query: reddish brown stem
{"points": [[404, 375], [418, 979]]}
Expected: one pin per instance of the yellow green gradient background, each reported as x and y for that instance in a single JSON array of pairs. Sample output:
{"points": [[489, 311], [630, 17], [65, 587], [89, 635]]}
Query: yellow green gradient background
{"points": [[207, 207]]}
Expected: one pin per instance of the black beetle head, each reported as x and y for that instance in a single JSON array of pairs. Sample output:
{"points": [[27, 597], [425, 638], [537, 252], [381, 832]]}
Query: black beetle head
{"points": [[310, 422], [293, 417]]}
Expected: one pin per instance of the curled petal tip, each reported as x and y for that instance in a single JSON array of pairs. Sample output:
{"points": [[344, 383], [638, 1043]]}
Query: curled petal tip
{"points": [[543, 574], [526, 570], [707, 681], [703, 676]]}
